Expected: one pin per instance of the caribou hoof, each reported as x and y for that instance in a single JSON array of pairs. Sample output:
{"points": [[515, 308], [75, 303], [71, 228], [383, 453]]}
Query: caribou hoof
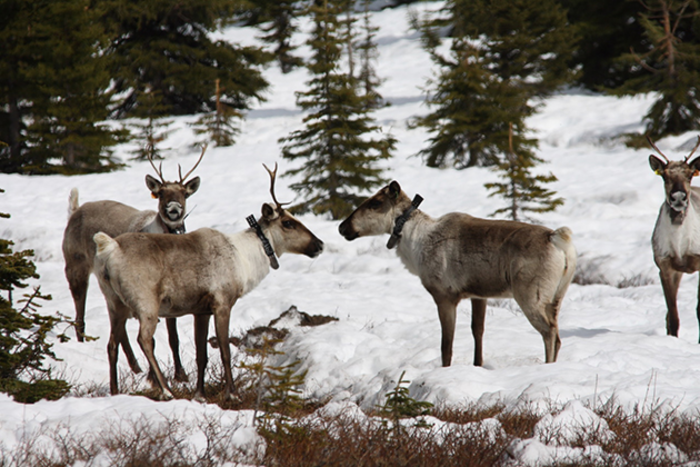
{"points": [[181, 376]]}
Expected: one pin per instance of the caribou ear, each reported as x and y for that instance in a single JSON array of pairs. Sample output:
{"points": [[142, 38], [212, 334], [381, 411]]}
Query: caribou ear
{"points": [[394, 189], [268, 211], [192, 186], [695, 165], [656, 164], [153, 185]]}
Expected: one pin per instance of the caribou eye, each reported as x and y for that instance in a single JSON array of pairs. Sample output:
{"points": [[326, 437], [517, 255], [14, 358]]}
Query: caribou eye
{"points": [[374, 204], [288, 224]]}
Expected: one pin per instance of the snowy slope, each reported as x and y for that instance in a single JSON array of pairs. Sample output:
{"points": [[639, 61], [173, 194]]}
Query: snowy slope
{"points": [[613, 339]]}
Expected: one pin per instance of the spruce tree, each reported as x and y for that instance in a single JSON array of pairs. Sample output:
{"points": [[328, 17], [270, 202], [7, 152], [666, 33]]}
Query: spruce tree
{"points": [[524, 191], [503, 55], [367, 49], [338, 148], [670, 61], [168, 48], [280, 18], [151, 130], [218, 125], [23, 332], [54, 81]]}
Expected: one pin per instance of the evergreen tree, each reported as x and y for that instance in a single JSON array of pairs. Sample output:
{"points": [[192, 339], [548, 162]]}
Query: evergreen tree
{"points": [[521, 188], [218, 125], [23, 332], [336, 147], [671, 65], [606, 31], [151, 130], [279, 27], [167, 47], [54, 82], [369, 81], [504, 54]]}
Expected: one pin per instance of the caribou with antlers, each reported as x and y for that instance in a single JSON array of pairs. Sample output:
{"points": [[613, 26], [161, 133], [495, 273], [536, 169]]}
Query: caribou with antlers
{"points": [[458, 256], [676, 238], [114, 219], [202, 273]]}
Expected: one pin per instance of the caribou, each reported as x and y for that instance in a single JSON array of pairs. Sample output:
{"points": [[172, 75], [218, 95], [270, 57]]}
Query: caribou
{"points": [[114, 219], [202, 273], [676, 238], [458, 256]]}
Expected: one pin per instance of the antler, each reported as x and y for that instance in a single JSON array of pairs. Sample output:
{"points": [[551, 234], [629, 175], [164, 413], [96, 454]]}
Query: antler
{"points": [[273, 176], [159, 172], [179, 169], [694, 149], [661, 153]]}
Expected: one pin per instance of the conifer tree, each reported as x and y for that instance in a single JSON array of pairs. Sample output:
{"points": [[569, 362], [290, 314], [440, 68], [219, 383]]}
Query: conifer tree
{"points": [[23, 332], [280, 17], [523, 190], [504, 53], [671, 67], [54, 82], [151, 130], [218, 125], [338, 148], [167, 47], [367, 49]]}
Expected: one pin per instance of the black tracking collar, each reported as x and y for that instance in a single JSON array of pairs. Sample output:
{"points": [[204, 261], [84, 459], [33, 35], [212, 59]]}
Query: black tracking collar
{"points": [[266, 243], [401, 220]]}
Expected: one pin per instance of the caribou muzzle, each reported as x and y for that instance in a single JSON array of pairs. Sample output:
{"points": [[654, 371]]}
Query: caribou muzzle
{"points": [[678, 200], [346, 229], [315, 248], [174, 211]]}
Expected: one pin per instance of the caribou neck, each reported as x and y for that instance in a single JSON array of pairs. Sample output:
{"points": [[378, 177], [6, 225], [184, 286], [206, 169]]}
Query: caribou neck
{"points": [[677, 233], [252, 263], [410, 245]]}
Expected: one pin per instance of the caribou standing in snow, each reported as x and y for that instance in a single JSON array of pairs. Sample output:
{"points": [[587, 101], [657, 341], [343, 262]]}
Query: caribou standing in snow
{"points": [[202, 273], [676, 238], [458, 256], [114, 219]]}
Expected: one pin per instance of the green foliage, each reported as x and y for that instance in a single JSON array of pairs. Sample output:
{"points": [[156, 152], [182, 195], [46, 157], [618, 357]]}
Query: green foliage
{"points": [[166, 48], [668, 65], [367, 49], [23, 332], [279, 17], [503, 55], [152, 130], [218, 125], [277, 387], [607, 30], [336, 148], [523, 189], [54, 87], [399, 404]]}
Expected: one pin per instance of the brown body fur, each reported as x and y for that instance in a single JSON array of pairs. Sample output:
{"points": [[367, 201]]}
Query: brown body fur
{"points": [[458, 256]]}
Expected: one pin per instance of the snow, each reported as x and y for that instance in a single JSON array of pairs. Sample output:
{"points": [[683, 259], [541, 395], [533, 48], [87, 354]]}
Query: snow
{"points": [[614, 343]]}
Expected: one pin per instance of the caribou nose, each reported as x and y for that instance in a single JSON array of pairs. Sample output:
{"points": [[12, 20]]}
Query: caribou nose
{"points": [[173, 210], [678, 200], [345, 229]]}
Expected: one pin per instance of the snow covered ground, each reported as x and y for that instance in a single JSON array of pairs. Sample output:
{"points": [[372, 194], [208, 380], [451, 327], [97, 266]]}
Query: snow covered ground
{"points": [[614, 342]]}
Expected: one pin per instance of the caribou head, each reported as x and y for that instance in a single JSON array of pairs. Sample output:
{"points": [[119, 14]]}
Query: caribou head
{"points": [[172, 195], [287, 233], [377, 214], [677, 176]]}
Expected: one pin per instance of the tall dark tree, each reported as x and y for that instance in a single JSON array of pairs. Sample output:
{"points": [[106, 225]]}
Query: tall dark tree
{"points": [[669, 63], [503, 55], [606, 31], [368, 54], [279, 23], [54, 83], [166, 47], [339, 147], [524, 191]]}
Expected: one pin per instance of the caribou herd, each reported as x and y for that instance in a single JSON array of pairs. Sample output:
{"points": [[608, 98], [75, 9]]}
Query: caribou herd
{"points": [[148, 267]]}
